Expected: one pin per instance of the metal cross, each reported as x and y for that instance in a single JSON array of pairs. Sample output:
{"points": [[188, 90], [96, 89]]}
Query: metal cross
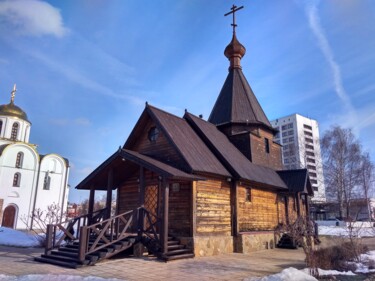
{"points": [[234, 10], [13, 93]]}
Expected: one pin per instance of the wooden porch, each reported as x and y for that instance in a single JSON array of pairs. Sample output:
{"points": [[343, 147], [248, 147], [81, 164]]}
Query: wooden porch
{"points": [[142, 214]]}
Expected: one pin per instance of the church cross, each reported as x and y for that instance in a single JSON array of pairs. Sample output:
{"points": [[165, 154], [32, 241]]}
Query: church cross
{"points": [[13, 93], [234, 10]]}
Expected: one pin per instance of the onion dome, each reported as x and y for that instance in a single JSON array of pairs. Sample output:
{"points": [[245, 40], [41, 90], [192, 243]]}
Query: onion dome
{"points": [[234, 52], [13, 110]]}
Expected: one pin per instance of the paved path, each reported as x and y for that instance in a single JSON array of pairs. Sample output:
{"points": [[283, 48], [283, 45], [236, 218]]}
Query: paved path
{"points": [[19, 261]]}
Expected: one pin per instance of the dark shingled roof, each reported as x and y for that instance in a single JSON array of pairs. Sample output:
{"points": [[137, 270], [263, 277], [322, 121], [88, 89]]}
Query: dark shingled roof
{"points": [[188, 144], [297, 180], [232, 158], [122, 162], [237, 103]]}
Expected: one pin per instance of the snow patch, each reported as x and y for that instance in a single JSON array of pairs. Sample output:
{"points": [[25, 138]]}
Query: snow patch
{"points": [[287, 274], [11, 237], [344, 231]]}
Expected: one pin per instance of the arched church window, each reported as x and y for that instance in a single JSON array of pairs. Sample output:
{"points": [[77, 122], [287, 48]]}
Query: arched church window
{"points": [[14, 133], [17, 179], [47, 182], [19, 160]]}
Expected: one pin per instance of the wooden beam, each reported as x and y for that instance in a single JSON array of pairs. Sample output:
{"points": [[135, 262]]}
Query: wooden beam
{"points": [[91, 204], [297, 198], [234, 207], [141, 186], [165, 216], [193, 208], [109, 193]]}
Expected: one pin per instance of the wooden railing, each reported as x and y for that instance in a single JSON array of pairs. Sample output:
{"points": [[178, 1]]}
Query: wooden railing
{"points": [[149, 225], [106, 233], [69, 230]]}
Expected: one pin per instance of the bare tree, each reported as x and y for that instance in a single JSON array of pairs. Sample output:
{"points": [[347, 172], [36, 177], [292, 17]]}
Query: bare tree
{"points": [[366, 176], [39, 219], [341, 153]]}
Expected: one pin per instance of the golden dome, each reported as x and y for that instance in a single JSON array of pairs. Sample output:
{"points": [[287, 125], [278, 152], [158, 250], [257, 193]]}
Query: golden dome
{"points": [[13, 110]]}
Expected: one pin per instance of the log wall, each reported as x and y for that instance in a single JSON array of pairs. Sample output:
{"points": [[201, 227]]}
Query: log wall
{"points": [[161, 149], [260, 213], [213, 208], [258, 150], [180, 210]]}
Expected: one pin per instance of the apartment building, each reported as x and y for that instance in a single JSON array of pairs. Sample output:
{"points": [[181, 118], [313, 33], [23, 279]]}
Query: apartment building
{"points": [[299, 137]]}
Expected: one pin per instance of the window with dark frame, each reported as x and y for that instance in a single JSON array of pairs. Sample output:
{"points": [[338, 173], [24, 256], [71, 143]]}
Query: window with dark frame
{"points": [[1, 125], [14, 133], [267, 145], [19, 160], [47, 182], [153, 134], [248, 194], [17, 179]]}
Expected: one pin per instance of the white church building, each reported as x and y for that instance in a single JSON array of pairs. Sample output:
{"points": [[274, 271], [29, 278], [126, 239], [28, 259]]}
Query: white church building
{"points": [[28, 180]]}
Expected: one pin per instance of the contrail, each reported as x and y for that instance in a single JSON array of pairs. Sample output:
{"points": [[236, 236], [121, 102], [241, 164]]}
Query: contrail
{"points": [[314, 22]]}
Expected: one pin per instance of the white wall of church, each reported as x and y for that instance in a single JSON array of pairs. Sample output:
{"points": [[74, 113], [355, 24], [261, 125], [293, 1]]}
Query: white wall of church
{"points": [[23, 129], [22, 195], [54, 189]]}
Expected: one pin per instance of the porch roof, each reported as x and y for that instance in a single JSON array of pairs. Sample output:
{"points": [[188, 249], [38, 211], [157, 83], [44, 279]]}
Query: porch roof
{"points": [[297, 180], [124, 163]]}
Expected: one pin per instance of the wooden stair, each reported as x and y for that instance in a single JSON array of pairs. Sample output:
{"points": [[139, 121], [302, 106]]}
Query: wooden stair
{"points": [[286, 242], [67, 255], [176, 251]]}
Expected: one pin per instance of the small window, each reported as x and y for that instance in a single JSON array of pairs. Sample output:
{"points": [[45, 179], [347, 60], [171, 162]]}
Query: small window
{"points": [[267, 145], [17, 179], [19, 160], [47, 182], [1, 126], [14, 133], [153, 134], [248, 195]]}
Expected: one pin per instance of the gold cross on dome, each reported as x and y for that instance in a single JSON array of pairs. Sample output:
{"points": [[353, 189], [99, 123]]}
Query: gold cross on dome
{"points": [[234, 10], [13, 93]]}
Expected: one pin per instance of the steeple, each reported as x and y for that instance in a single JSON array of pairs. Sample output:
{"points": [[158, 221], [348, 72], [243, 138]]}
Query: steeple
{"points": [[237, 109], [235, 50]]}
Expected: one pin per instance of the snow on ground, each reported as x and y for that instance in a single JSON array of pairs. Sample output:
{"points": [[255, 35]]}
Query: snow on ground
{"points": [[344, 231], [367, 260], [323, 272], [51, 277], [287, 274], [11, 237]]}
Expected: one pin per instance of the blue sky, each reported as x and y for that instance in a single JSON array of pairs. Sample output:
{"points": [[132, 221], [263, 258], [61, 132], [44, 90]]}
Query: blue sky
{"points": [[85, 68]]}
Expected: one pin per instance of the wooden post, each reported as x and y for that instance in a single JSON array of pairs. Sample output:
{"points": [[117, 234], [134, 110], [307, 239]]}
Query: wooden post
{"points": [[91, 205], [286, 198], [193, 208], [109, 194], [141, 186], [165, 216], [297, 198], [82, 243], [307, 206], [234, 205], [49, 239]]}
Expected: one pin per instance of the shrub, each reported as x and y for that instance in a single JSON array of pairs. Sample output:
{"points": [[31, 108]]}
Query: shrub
{"points": [[336, 257]]}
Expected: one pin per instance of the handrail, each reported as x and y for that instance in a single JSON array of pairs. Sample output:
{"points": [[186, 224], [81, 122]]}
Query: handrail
{"points": [[70, 229], [109, 231]]}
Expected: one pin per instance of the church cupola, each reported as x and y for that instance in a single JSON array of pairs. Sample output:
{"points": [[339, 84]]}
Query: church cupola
{"points": [[234, 52], [14, 124]]}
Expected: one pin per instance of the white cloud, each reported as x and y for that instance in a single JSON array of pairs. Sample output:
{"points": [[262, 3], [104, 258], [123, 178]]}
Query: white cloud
{"points": [[314, 21], [31, 18]]}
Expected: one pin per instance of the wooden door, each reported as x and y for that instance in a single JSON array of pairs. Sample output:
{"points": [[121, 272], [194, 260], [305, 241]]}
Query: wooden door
{"points": [[9, 216], [152, 202]]}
